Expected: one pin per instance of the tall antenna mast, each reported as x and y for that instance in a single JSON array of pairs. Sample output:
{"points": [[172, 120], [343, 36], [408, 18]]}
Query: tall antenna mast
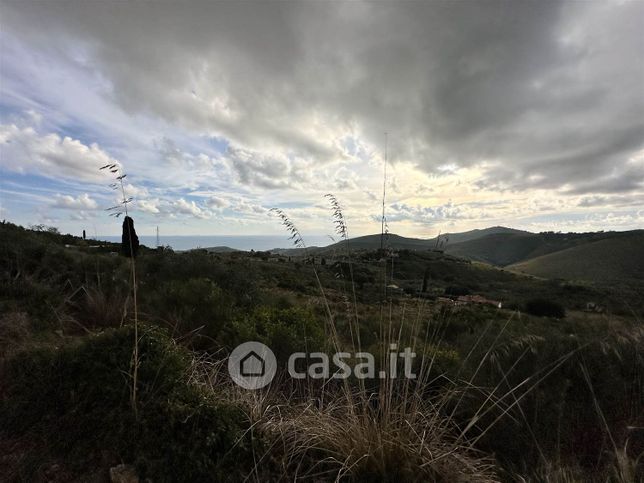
{"points": [[158, 244], [384, 191]]}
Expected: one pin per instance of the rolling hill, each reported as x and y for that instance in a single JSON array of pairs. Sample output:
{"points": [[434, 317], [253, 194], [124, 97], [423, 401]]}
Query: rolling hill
{"points": [[372, 242], [497, 249], [503, 249], [592, 256], [612, 258]]}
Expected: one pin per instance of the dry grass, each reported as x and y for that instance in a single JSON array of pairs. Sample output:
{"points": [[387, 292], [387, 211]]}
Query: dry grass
{"points": [[92, 308], [624, 469], [369, 445], [323, 435]]}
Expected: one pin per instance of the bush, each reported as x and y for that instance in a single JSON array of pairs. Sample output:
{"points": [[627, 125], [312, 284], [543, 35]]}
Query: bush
{"points": [[564, 421], [196, 303], [545, 308], [79, 396], [283, 330]]}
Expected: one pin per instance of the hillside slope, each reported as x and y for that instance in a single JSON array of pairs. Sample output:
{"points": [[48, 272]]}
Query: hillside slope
{"points": [[466, 236], [497, 249], [613, 258], [372, 242], [504, 249]]}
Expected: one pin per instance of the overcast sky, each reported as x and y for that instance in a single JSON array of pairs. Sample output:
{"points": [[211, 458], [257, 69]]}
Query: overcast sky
{"points": [[523, 114]]}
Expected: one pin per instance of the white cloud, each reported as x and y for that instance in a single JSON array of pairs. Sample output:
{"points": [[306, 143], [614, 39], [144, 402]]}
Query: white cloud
{"points": [[35, 117], [172, 155], [135, 191], [248, 207], [81, 216], [82, 202], [157, 206], [148, 205], [23, 150], [187, 208], [217, 202]]}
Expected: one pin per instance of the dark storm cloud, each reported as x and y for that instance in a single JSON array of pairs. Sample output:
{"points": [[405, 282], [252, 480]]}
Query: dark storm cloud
{"points": [[547, 94]]}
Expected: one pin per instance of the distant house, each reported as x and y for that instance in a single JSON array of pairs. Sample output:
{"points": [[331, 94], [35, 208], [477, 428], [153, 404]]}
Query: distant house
{"points": [[477, 299]]}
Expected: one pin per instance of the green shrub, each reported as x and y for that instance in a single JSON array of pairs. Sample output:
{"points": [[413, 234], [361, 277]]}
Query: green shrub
{"points": [[194, 303], [559, 417], [283, 330], [79, 396]]}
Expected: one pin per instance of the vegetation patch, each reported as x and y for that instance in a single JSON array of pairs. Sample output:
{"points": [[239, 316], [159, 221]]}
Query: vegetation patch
{"points": [[79, 397]]}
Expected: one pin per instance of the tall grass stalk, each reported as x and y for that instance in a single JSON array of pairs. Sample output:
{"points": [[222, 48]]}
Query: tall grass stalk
{"points": [[116, 212], [342, 230], [410, 429], [298, 241], [364, 428]]}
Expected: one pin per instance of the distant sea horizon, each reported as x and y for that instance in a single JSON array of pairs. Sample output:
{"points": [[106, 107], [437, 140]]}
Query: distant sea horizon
{"points": [[241, 242]]}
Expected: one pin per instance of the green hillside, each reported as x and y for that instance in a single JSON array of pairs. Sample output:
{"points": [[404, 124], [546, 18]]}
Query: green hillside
{"points": [[504, 249], [593, 256], [372, 242], [497, 249], [451, 238], [613, 258]]}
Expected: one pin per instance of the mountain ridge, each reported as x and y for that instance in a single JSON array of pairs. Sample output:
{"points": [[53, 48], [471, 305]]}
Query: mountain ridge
{"points": [[613, 254], [372, 242]]}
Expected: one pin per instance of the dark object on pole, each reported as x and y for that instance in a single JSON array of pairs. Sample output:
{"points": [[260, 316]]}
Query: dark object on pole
{"points": [[129, 240], [84, 237]]}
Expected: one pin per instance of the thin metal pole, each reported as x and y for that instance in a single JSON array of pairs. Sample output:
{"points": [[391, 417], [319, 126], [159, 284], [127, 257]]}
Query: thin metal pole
{"points": [[384, 191]]}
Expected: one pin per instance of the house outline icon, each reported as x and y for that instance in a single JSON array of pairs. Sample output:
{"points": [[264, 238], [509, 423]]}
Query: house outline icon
{"points": [[248, 365]]}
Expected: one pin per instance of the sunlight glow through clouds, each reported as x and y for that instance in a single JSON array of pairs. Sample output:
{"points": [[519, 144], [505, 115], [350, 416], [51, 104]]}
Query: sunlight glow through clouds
{"points": [[534, 123]]}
